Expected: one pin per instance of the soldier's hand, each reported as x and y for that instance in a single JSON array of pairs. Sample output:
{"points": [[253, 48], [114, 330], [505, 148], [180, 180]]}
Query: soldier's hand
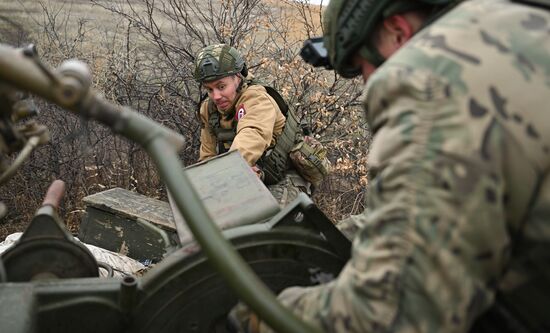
{"points": [[241, 320], [258, 172]]}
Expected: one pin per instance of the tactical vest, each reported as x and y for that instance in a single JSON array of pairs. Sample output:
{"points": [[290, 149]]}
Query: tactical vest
{"points": [[274, 162]]}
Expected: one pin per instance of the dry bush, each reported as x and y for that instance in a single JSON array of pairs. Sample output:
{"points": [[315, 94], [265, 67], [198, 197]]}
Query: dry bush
{"points": [[141, 53]]}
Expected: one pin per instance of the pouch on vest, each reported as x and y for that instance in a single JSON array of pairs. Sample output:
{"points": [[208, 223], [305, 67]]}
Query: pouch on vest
{"points": [[274, 162], [309, 158]]}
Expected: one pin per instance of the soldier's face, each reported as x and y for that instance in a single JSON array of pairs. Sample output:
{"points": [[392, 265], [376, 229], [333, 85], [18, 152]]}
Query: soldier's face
{"points": [[223, 91]]}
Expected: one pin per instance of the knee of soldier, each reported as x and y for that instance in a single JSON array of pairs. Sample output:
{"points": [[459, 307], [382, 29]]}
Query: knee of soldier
{"points": [[294, 179]]}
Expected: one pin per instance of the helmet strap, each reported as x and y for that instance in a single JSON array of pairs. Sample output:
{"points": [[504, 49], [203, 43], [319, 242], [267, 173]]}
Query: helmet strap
{"points": [[241, 84], [372, 55], [244, 71]]}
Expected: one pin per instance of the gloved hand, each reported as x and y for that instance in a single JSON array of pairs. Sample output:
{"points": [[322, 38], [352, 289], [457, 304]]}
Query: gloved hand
{"points": [[241, 320]]}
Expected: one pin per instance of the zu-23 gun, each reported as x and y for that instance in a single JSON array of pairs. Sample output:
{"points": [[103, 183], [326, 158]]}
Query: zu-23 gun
{"points": [[50, 283]]}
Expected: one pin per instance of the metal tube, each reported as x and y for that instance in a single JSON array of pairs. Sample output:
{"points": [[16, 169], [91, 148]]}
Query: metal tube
{"points": [[20, 159], [128, 290], [22, 72], [71, 91]]}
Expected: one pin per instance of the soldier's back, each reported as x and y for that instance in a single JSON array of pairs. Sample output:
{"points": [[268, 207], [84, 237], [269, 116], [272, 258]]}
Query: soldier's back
{"points": [[487, 62]]}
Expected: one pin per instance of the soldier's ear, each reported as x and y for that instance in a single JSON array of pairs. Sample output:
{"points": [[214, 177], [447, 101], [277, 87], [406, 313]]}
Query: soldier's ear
{"points": [[399, 29]]}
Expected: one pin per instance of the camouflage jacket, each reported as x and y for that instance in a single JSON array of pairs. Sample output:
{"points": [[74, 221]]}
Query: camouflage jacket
{"points": [[459, 187]]}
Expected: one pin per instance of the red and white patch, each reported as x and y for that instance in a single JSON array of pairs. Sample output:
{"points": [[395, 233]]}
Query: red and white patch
{"points": [[241, 112]]}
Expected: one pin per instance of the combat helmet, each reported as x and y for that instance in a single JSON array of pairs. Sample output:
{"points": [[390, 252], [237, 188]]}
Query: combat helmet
{"points": [[349, 24], [217, 61]]}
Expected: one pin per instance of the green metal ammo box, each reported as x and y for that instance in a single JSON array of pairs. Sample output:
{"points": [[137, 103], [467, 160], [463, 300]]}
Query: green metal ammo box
{"points": [[127, 222]]}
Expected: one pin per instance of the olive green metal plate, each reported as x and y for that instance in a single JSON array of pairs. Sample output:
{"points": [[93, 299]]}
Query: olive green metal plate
{"points": [[184, 293]]}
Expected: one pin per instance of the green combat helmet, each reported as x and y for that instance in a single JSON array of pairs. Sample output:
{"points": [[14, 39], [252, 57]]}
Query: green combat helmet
{"points": [[217, 61], [349, 24]]}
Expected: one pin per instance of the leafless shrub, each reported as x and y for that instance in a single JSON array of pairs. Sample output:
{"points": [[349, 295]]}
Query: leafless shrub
{"points": [[143, 58]]}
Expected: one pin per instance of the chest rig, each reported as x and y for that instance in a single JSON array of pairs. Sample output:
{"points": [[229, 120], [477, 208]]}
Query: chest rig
{"points": [[274, 162]]}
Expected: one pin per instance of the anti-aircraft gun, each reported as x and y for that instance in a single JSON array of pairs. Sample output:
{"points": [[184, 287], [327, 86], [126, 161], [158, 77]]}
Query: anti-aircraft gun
{"points": [[49, 282]]}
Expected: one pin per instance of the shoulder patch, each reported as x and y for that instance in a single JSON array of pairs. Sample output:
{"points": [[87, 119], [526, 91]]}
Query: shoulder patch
{"points": [[241, 112]]}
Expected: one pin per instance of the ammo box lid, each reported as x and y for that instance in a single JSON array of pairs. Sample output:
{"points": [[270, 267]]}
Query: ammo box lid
{"points": [[231, 192], [132, 205]]}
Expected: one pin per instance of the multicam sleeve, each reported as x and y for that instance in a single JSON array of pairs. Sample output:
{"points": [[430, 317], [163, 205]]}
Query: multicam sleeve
{"points": [[433, 241], [208, 140]]}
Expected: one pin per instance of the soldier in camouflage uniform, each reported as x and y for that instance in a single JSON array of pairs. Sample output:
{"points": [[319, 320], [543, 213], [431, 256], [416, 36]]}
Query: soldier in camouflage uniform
{"points": [[240, 116], [458, 206]]}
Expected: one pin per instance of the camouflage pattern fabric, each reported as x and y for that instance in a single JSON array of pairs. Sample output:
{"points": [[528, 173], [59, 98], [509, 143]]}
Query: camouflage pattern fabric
{"points": [[287, 189], [458, 175], [309, 157], [216, 61]]}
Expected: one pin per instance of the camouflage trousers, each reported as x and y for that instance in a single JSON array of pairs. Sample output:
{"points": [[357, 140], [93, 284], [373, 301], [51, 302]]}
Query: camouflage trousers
{"points": [[287, 189]]}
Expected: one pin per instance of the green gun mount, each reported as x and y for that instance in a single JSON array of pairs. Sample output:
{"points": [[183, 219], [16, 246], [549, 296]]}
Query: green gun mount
{"points": [[183, 292]]}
